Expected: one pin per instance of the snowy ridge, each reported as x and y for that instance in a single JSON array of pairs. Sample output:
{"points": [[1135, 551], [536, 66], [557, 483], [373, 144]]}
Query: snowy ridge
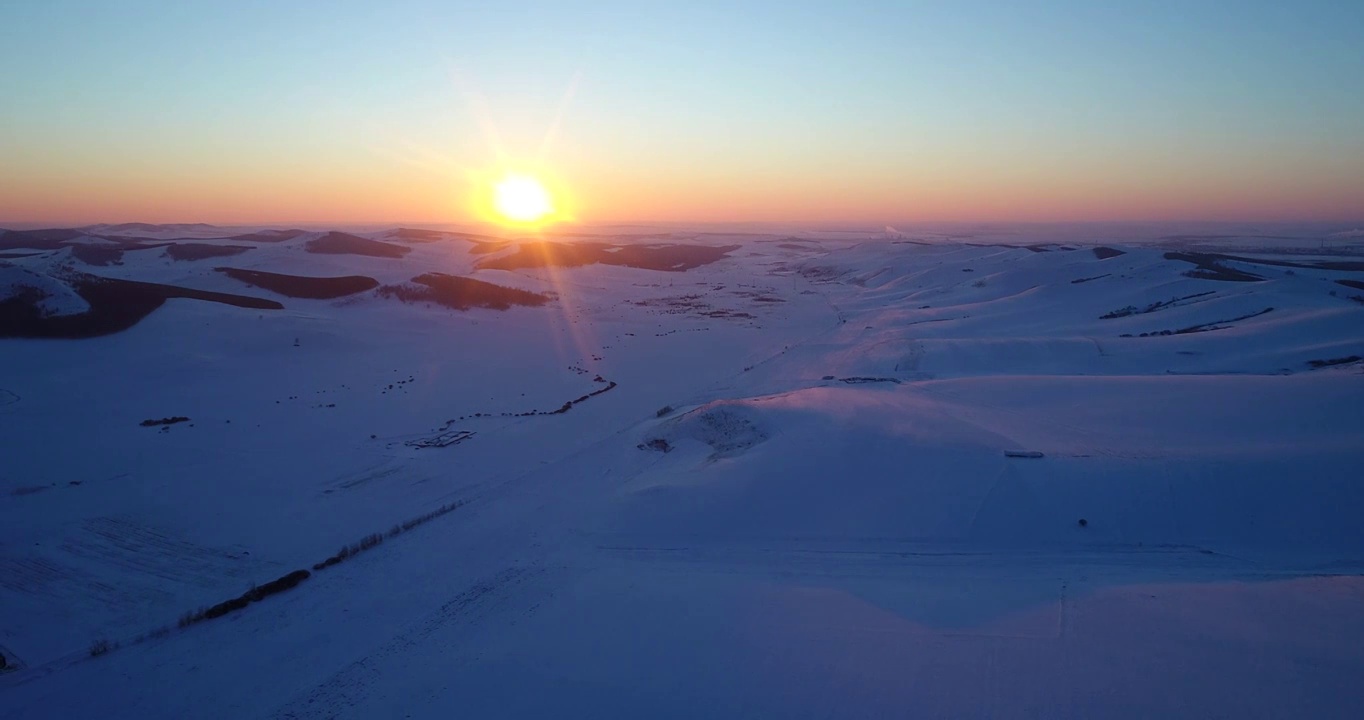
{"points": [[835, 474], [52, 297]]}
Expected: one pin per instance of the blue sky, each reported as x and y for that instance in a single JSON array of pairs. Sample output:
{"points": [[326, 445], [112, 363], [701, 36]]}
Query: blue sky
{"points": [[937, 110]]}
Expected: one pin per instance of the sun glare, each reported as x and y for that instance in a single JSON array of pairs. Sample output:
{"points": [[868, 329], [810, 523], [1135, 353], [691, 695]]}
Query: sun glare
{"points": [[522, 199]]}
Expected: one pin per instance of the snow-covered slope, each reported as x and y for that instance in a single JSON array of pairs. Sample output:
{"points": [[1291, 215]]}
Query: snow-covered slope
{"points": [[808, 475], [50, 296]]}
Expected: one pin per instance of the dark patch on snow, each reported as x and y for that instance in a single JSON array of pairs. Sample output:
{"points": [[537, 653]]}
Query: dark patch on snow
{"points": [[255, 594], [1104, 253], [48, 239], [339, 243], [461, 293], [416, 235], [657, 445], [268, 236], [164, 421], [115, 306], [1134, 310], [1210, 269], [97, 254], [1204, 327], [1337, 265], [442, 439], [1318, 364], [487, 248], [204, 251], [665, 258], [299, 286]]}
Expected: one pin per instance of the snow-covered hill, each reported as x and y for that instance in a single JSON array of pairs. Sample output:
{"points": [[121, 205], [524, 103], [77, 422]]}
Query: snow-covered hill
{"points": [[677, 473]]}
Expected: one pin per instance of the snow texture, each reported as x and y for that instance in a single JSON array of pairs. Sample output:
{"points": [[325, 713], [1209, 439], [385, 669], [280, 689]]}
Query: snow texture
{"points": [[892, 473]]}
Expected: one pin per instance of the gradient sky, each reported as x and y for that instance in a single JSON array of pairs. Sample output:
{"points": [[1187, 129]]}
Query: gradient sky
{"points": [[309, 110]]}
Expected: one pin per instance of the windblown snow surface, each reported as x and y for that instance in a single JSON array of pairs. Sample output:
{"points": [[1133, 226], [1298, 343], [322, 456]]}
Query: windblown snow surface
{"points": [[692, 475]]}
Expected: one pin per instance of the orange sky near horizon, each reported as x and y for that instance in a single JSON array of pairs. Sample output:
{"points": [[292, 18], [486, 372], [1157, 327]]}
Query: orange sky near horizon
{"points": [[698, 112], [379, 191]]}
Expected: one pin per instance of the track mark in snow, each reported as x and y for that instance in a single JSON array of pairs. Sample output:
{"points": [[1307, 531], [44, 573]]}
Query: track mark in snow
{"points": [[491, 597], [147, 552]]}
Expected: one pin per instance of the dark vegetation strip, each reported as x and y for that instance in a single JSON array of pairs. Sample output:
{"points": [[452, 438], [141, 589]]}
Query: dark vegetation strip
{"points": [[461, 293], [1104, 253], [150, 422], [1077, 281], [1205, 327], [255, 594], [666, 258], [417, 235], [569, 405], [1342, 265], [1209, 269], [1356, 284], [115, 306], [78, 240], [299, 286], [481, 247], [268, 236], [258, 593], [47, 239], [533, 413], [204, 251], [374, 539], [97, 254], [57, 238], [1134, 310], [339, 243], [1318, 364], [445, 437]]}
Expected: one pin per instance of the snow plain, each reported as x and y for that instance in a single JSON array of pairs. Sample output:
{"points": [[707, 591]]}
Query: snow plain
{"points": [[813, 489]]}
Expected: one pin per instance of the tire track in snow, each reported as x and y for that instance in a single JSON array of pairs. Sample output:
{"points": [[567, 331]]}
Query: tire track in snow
{"points": [[349, 687]]}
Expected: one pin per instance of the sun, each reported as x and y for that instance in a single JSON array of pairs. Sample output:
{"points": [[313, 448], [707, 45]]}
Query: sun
{"points": [[521, 199]]}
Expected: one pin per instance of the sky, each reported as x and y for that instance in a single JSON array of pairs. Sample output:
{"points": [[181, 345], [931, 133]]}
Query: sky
{"points": [[408, 111]]}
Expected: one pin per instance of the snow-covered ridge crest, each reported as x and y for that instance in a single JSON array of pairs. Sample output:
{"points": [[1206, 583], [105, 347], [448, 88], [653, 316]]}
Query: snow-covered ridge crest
{"points": [[50, 295]]}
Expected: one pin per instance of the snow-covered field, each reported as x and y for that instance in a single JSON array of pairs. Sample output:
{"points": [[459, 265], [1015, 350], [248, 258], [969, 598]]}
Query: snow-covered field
{"points": [[690, 474]]}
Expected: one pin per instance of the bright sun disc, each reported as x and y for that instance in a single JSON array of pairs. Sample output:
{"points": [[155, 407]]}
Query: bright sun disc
{"points": [[521, 198]]}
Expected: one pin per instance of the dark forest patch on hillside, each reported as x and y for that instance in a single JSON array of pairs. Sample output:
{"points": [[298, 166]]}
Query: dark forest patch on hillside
{"points": [[1338, 265], [418, 235], [1208, 267], [299, 286], [339, 243], [666, 258], [1134, 310], [1334, 362], [481, 247], [115, 306], [97, 254], [204, 251], [461, 293], [267, 236], [49, 239], [1203, 327]]}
